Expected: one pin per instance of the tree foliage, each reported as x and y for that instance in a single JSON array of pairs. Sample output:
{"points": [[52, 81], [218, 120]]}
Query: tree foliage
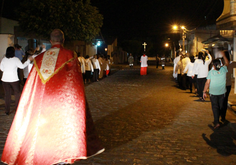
{"points": [[79, 20]]}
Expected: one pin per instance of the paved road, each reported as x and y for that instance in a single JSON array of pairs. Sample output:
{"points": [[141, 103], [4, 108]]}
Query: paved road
{"points": [[147, 120]]}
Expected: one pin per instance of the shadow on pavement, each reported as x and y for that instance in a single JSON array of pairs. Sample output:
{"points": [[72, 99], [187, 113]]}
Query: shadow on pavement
{"points": [[222, 139]]}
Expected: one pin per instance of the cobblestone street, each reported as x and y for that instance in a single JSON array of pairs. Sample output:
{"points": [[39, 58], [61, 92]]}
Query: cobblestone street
{"points": [[147, 120]]}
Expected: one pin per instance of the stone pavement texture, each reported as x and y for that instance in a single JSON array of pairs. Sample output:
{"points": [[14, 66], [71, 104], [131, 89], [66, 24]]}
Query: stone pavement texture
{"points": [[147, 120]]}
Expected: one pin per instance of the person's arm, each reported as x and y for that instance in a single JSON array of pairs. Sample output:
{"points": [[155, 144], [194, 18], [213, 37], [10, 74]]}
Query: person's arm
{"points": [[98, 66], [91, 66], [207, 84], [43, 48], [194, 69], [1, 67], [225, 58], [176, 68], [22, 66], [209, 57]]}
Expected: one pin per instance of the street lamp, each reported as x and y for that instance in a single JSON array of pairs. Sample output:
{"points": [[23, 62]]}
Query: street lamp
{"points": [[106, 51], [99, 43], [184, 31]]}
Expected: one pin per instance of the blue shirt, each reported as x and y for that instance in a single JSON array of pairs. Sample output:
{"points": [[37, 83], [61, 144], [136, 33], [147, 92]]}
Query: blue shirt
{"points": [[19, 54], [218, 81]]}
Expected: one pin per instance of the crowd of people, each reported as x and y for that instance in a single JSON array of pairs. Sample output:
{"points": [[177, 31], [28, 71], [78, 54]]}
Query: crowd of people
{"points": [[206, 77], [95, 67]]}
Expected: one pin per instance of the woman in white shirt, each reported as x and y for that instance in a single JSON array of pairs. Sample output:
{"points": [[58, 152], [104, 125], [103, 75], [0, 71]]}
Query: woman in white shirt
{"points": [[202, 68], [9, 66]]}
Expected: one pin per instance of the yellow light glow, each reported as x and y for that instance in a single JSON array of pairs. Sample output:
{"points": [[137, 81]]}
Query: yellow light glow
{"points": [[182, 27], [175, 27], [166, 45]]}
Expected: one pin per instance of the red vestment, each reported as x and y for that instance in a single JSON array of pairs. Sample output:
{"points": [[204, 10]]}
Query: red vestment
{"points": [[52, 123], [143, 71], [107, 72], [143, 61]]}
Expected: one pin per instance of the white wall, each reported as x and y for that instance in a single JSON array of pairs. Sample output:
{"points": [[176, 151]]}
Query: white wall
{"points": [[7, 26], [91, 50], [6, 40]]}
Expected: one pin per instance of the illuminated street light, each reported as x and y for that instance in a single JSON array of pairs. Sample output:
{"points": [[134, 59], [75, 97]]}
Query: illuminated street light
{"points": [[98, 43], [175, 27], [184, 30], [166, 45]]}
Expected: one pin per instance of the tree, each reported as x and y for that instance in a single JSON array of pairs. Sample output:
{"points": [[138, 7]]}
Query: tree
{"points": [[78, 20]]}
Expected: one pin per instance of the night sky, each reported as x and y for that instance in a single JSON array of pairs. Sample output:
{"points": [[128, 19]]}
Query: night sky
{"points": [[127, 19]]}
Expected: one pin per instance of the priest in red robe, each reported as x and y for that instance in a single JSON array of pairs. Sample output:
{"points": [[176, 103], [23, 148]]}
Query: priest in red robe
{"points": [[52, 124]]}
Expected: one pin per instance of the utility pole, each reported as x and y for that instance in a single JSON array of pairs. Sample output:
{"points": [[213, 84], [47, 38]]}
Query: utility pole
{"points": [[183, 38]]}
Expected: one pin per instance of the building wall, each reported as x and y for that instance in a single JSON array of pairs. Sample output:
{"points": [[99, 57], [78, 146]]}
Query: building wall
{"points": [[91, 50], [81, 47], [197, 37], [7, 26], [109, 49], [6, 40]]}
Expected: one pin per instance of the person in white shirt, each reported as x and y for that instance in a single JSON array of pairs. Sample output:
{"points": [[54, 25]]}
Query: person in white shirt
{"points": [[88, 69], [144, 65], [10, 79], [26, 70], [176, 60], [131, 60], [179, 72], [189, 70], [202, 68], [34, 54], [185, 61], [163, 62], [96, 67]]}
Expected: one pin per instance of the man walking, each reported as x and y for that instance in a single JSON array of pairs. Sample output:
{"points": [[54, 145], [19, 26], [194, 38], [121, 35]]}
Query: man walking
{"points": [[131, 60]]}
